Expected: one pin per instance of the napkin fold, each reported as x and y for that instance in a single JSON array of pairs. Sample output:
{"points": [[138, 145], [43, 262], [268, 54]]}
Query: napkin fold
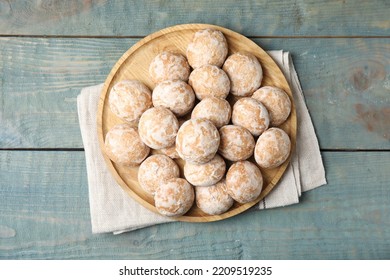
{"points": [[112, 210]]}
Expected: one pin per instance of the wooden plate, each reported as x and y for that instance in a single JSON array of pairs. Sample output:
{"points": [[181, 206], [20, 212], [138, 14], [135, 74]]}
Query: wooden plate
{"points": [[134, 64]]}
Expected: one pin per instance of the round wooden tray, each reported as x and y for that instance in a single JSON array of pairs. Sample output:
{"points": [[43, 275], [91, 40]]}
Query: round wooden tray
{"points": [[134, 64]]}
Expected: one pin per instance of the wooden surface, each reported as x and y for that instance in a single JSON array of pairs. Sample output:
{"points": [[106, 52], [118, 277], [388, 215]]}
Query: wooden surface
{"points": [[134, 65], [49, 50]]}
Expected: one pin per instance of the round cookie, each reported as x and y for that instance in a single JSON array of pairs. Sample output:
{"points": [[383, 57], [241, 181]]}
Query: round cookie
{"points": [[124, 146], [158, 127], [128, 99], [217, 110], [207, 174], [174, 197], [209, 81], [244, 181], [213, 200], [272, 148], [175, 95], [169, 66], [276, 101], [236, 143], [197, 140], [155, 170], [251, 114], [208, 46], [245, 73]]}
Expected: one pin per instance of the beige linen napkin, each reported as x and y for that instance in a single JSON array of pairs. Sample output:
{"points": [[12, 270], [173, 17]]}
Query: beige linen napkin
{"points": [[112, 210]]}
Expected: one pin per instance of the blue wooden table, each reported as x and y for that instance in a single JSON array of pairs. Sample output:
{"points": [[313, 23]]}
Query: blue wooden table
{"points": [[49, 50]]}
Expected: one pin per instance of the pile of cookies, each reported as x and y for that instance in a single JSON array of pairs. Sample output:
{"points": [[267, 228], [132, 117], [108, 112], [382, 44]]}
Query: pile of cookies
{"points": [[187, 117]]}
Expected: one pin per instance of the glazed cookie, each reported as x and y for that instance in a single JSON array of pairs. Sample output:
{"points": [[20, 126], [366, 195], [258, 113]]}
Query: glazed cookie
{"points": [[174, 197], [128, 99], [197, 141], [251, 114], [209, 81], [124, 146], [244, 181], [158, 127], [175, 95], [208, 46], [206, 174], [169, 66], [237, 143], [217, 110], [155, 170], [213, 200], [272, 148], [276, 101], [245, 73]]}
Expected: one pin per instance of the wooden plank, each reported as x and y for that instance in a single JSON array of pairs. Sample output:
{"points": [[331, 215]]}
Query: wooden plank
{"points": [[139, 18], [41, 79], [346, 83], [44, 214]]}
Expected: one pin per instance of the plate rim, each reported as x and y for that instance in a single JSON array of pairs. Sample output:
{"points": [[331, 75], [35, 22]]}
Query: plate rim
{"points": [[99, 119]]}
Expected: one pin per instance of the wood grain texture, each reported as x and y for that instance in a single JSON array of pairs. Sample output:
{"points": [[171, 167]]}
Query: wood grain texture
{"points": [[39, 84], [139, 18], [346, 84], [45, 215], [44, 209]]}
